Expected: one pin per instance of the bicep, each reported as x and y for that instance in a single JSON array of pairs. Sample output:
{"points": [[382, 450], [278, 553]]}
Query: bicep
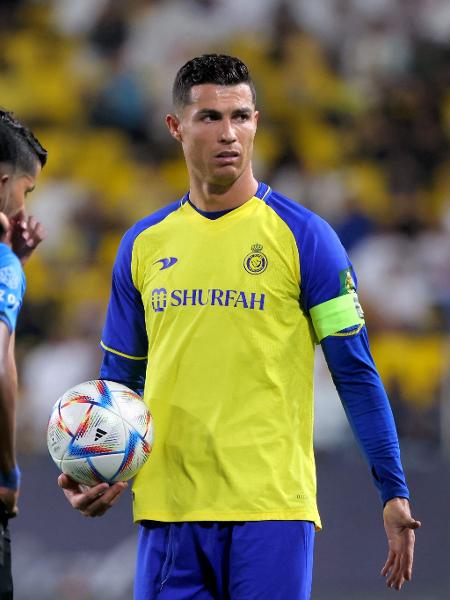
{"points": [[328, 281]]}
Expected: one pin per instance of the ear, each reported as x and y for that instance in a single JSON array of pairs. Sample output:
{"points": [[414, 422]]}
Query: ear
{"points": [[5, 229], [4, 178], [174, 125]]}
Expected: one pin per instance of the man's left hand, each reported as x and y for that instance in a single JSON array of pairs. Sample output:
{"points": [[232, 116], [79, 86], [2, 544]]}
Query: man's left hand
{"points": [[399, 526]]}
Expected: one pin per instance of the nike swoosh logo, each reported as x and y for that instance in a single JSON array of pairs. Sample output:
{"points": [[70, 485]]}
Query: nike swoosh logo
{"points": [[166, 262]]}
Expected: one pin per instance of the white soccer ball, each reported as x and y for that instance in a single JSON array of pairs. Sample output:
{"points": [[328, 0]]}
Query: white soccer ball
{"points": [[100, 431]]}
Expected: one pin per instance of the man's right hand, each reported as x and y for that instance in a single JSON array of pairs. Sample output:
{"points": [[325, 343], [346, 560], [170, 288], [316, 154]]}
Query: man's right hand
{"points": [[91, 501]]}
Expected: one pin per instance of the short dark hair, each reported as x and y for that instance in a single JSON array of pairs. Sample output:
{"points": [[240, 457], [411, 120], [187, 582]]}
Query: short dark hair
{"points": [[18, 145], [219, 69]]}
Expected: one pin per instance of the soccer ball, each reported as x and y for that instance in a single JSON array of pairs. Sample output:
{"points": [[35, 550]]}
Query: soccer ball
{"points": [[100, 431]]}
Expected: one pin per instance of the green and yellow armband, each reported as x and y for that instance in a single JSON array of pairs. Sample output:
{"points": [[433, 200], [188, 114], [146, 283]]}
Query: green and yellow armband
{"points": [[335, 315]]}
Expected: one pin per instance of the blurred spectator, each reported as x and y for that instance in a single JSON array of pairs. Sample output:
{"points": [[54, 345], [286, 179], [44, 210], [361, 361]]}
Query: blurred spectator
{"points": [[55, 203], [77, 18], [111, 28], [9, 10], [394, 287], [120, 102], [354, 224]]}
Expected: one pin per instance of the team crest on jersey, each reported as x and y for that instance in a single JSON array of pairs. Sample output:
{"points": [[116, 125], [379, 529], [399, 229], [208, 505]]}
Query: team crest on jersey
{"points": [[255, 262]]}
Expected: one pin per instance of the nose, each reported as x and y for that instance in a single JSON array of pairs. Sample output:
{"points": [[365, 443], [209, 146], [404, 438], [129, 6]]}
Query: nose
{"points": [[227, 134]]}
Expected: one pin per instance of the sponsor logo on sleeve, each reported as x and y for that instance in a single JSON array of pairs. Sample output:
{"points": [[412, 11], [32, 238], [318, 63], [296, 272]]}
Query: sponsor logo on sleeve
{"points": [[348, 287]]}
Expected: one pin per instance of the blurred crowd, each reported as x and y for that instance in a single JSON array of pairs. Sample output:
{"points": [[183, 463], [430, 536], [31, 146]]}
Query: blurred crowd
{"points": [[355, 104]]}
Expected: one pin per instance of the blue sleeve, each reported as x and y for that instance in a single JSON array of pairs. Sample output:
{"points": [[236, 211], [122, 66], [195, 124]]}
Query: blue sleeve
{"points": [[324, 263], [326, 273], [12, 287], [368, 410], [124, 339], [125, 371]]}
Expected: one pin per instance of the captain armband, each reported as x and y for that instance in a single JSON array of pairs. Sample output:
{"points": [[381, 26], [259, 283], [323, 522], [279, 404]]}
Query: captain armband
{"points": [[331, 317]]}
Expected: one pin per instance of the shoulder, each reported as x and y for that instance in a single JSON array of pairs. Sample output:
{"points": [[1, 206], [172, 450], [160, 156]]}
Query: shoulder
{"points": [[304, 223], [147, 222], [152, 219], [287, 208]]}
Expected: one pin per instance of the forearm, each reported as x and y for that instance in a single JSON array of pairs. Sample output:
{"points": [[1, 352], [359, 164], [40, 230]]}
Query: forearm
{"points": [[8, 395], [367, 407]]}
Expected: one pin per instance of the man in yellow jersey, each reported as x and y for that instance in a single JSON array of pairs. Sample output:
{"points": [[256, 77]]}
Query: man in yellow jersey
{"points": [[217, 303]]}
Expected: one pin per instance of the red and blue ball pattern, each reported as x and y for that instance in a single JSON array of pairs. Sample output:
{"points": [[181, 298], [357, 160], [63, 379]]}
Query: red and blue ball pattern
{"points": [[100, 431]]}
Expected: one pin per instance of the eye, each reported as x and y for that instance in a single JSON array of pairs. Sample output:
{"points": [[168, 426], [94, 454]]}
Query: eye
{"points": [[242, 117], [210, 118]]}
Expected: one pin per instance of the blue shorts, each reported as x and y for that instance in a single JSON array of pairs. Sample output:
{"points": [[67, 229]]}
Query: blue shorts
{"points": [[252, 560]]}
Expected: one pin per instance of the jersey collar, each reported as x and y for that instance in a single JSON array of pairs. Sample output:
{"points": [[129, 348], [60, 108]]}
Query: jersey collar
{"points": [[262, 193]]}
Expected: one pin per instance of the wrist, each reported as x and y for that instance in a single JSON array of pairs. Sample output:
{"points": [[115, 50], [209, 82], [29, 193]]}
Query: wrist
{"points": [[402, 500], [398, 500], [10, 479]]}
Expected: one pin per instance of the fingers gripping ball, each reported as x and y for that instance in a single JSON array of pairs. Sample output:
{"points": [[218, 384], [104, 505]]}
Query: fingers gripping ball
{"points": [[100, 431]]}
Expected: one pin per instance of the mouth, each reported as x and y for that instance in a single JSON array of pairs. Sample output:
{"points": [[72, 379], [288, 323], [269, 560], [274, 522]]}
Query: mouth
{"points": [[226, 153], [226, 156]]}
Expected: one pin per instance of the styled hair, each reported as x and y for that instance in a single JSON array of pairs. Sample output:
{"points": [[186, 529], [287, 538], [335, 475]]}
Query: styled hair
{"points": [[219, 69], [18, 146]]}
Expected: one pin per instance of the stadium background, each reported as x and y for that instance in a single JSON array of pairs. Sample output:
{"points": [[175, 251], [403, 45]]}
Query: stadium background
{"points": [[355, 102]]}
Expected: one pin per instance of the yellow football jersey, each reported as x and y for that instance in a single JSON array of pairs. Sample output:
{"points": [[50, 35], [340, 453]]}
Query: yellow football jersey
{"points": [[220, 312]]}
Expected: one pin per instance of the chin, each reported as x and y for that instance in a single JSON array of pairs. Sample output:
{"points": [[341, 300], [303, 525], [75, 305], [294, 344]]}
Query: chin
{"points": [[225, 176]]}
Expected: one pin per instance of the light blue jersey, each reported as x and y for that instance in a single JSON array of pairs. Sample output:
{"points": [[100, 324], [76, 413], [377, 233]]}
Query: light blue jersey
{"points": [[12, 286]]}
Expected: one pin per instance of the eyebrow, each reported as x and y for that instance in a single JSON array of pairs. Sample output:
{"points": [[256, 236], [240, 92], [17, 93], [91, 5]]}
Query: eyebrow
{"points": [[211, 112]]}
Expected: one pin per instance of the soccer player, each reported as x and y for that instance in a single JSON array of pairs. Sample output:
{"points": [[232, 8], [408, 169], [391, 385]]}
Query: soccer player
{"points": [[217, 303], [21, 160]]}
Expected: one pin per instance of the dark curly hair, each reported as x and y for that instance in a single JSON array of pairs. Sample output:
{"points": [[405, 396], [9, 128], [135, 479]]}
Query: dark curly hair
{"points": [[219, 69], [18, 146]]}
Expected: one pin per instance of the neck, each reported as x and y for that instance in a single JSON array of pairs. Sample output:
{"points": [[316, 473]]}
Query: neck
{"points": [[214, 197]]}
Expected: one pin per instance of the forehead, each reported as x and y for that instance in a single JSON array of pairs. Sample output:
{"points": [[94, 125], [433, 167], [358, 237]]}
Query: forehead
{"points": [[220, 97]]}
